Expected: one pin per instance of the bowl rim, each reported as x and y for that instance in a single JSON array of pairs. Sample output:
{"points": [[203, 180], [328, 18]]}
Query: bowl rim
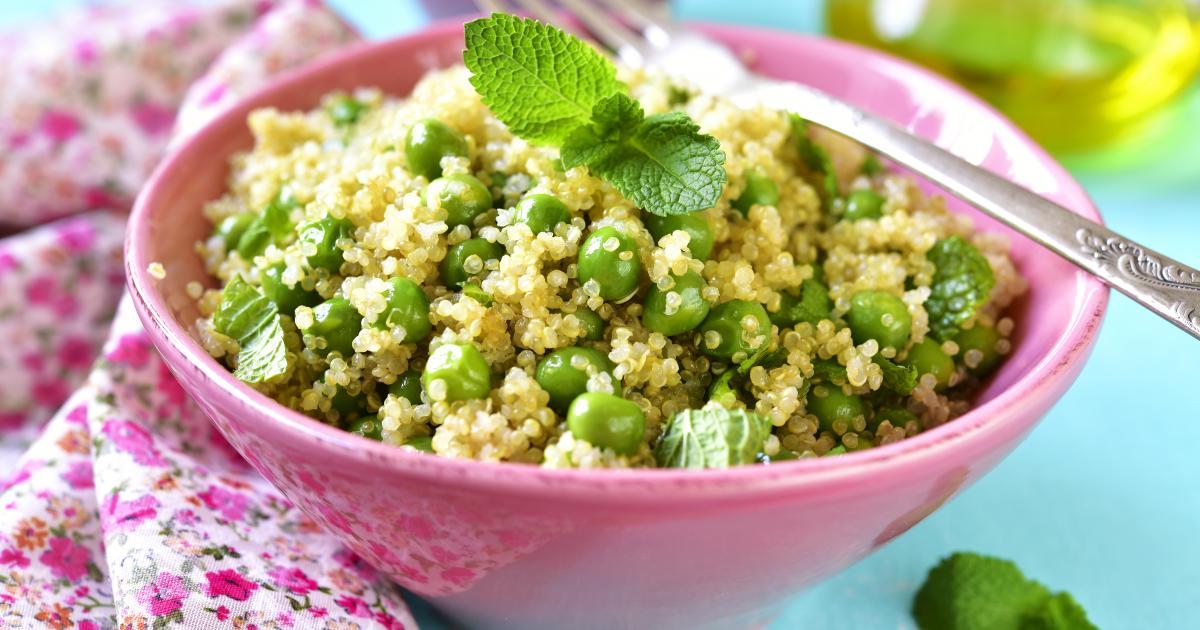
{"points": [[651, 485]]}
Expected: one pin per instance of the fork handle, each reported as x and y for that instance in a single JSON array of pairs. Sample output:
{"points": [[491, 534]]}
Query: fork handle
{"points": [[1165, 286]]}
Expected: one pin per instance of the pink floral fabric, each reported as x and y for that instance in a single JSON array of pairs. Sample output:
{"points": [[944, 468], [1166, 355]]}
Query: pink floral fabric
{"points": [[120, 505], [59, 286]]}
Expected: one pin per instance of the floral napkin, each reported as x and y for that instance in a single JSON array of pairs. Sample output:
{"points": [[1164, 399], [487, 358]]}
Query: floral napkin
{"points": [[120, 506]]}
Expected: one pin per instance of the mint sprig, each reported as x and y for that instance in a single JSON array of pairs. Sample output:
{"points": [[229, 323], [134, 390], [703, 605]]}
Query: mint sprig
{"points": [[551, 88], [661, 163], [969, 591], [253, 320]]}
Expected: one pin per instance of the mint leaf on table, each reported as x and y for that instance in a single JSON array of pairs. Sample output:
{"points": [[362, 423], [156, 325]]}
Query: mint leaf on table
{"points": [[898, 379], [1060, 612], [968, 591], [253, 321], [712, 437], [538, 80], [661, 163], [962, 282], [814, 157]]}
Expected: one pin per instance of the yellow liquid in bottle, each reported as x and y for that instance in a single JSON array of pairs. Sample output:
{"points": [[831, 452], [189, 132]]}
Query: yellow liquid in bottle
{"points": [[1073, 73]]}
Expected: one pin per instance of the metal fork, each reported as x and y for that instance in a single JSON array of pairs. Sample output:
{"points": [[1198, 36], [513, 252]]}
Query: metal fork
{"points": [[645, 37]]}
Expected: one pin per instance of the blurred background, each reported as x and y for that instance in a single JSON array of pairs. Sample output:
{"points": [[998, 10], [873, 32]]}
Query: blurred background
{"points": [[1102, 498]]}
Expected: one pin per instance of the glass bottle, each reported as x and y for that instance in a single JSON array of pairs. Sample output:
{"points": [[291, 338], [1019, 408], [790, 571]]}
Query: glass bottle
{"points": [[1073, 73]]}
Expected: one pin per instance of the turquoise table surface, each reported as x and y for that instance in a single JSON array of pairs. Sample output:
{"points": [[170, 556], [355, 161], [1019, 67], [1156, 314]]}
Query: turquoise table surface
{"points": [[1102, 499]]}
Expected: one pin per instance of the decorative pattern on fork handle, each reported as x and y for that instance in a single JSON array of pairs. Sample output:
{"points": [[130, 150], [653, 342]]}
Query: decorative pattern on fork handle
{"points": [[1130, 260]]}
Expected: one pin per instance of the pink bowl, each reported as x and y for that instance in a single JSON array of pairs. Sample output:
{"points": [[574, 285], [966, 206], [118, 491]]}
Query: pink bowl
{"points": [[498, 545]]}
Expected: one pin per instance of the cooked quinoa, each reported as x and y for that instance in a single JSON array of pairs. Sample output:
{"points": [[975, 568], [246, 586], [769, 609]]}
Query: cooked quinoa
{"points": [[518, 308]]}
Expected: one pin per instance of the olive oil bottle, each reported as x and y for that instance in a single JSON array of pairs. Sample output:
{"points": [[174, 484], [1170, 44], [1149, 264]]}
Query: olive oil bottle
{"points": [[1075, 74]]}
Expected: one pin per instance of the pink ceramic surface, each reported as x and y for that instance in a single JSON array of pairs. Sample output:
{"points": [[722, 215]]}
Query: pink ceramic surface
{"points": [[517, 546]]}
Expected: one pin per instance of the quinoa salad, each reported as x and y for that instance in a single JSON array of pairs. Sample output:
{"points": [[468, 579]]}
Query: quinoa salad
{"points": [[432, 273]]}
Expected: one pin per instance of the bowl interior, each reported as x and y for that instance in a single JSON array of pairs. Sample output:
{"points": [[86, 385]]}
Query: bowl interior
{"points": [[1061, 303]]}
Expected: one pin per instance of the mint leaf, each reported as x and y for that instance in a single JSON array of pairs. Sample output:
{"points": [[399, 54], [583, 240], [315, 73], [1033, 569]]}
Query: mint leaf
{"points": [[962, 282], [968, 591], [614, 121], [713, 437], [744, 367], [273, 225], [814, 157], [899, 379], [812, 306], [538, 80], [253, 321], [1060, 612], [830, 371], [661, 163]]}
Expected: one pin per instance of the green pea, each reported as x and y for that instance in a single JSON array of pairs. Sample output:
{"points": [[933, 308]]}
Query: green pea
{"points": [[427, 142], [542, 212], [725, 336], [880, 316], [423, 443], [592, 324], [564, 374], [609, 257], [324, 236], [982, 339], [681, 316], [898, 416], [461, 369], [349, 406], [928, 358], [700, 241], [607, 421], [231, 228], [287, 298], [407, 386], [456, 269], [337, 322], [863, 203], [831, 405], [760, 191], [345, 109], [407, 308], [463, 197], [368, 427]]}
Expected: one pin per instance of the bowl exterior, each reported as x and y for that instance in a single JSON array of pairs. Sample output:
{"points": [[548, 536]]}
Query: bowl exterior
{"points": [[502, 546]]}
